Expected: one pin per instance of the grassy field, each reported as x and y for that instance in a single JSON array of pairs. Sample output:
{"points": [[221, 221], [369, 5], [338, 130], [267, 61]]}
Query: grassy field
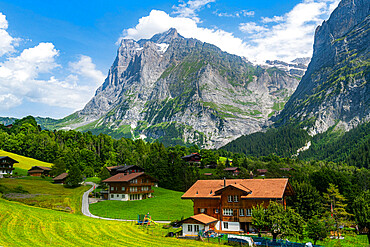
{"points": [[42, 193], [165, 205], [24, 162], [23, 225], [93, 179]]}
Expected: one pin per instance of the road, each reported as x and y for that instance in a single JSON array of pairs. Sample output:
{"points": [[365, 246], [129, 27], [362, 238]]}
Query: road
{"points": [[85, 206]]}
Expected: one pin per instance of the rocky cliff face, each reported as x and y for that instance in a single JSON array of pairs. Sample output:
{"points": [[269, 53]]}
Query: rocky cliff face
{"points": [[335, 87], [180, 90]]}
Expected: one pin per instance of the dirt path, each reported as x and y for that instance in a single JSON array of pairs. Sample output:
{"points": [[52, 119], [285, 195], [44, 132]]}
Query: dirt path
{"points": [[85, 206]]}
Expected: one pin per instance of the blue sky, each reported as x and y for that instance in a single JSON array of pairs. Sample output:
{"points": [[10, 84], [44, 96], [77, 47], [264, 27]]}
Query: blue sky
{"points": [[55, 54]]}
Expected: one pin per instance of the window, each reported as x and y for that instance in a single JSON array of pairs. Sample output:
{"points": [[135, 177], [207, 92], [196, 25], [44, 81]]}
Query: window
{"points": [[111, 188], [117, 195], [241, 212], [190, 228], [123, 188], [196, 228], [202, 210], [133, 189], [236, 198], [112, 196], [230, 198], [248, 211], [228, 212], [226, 225], [133, 181], [123, 196], [216, 210]]}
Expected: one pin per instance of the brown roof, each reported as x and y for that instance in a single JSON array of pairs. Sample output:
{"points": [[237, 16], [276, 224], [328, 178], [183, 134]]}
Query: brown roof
{"points": [[111, 167], [61, 176], [41, 168], [35, 171], [262, 170], [231, 168], [237, 186], [120, 177], [261, 188], [202, 218]]}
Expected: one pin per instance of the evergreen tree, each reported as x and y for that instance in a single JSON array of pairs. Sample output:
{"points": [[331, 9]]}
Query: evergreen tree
{"points": [[74, 177], [362, 211]]}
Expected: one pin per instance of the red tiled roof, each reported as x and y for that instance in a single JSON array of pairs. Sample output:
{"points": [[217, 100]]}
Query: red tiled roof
{"points": [[202, 218], [237, 186], [120, 177], [261, 188]]}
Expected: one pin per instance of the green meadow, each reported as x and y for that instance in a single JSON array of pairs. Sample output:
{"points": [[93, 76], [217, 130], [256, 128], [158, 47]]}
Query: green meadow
{"points": [[23, 225], [25, 163], [165, 205]]}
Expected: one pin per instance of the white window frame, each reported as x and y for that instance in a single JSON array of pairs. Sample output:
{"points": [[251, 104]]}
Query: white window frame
{"points": [[241, 212], [248, 212], [229, 198], [190, 228], [228, 212], [196, 228], [236, 198], [123, 188]]}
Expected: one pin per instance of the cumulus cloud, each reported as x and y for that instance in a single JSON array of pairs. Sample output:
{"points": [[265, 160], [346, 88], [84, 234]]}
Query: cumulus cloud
{"points": [[86, 68], [280, 37], [241, 13], [7, 42], [251, 27], [190, 8]]}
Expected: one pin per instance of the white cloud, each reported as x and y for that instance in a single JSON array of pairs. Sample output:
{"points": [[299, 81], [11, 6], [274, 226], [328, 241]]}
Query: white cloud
{"points": [[190, 8], [86, 68], [7, 42], [251, 27], [273, 19], [241, 13], [289, 38]]}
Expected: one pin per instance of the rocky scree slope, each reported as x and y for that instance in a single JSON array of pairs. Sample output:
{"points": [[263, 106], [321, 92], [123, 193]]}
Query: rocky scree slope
{"points": [[183, 91], [335, 88]]}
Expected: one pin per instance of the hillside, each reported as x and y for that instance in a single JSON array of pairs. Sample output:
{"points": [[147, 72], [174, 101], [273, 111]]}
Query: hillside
{"points": [[24, 162], [335, 88], [30, 226]]}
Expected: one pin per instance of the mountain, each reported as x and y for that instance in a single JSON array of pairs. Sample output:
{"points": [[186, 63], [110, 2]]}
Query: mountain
{"points": [[182, 91], [335, 88], [297, 67]]}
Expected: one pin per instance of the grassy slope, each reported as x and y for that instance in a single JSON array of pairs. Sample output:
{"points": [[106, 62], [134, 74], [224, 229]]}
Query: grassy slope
{"points": [[24, 162], [29, 226], [43, 193], [165, 205]]}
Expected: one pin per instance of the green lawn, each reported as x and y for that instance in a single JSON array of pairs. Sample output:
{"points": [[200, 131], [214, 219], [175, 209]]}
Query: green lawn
{"points": [[43, 193], [165, 205], [23, 225], [24, 162], [93, 179]]}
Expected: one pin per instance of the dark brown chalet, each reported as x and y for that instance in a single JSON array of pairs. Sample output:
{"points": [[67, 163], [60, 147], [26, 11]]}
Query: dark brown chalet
{"points": [[134, 186], [60, 179], [192, 158], [234, 171], [37, 171], [113, 170], [231, 200], [6, 165]]}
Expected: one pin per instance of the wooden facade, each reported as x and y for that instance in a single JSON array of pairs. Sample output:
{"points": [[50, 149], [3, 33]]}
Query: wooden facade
{"points": [[6, 165], [38, 171], [231, 201], [113, 170], [60, 179], [134, 186]]}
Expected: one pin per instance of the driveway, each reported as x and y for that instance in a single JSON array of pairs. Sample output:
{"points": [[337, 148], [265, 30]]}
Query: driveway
{"points": [[85, 206]]}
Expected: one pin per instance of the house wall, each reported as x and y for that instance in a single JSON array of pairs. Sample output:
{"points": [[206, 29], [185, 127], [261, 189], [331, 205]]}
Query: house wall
{"points": [[229, 226], [6, 167], [118, 197], [186, 231]]}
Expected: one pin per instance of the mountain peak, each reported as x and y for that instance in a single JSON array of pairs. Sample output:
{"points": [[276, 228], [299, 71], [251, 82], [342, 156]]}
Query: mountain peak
{"points": [[166, 37]]}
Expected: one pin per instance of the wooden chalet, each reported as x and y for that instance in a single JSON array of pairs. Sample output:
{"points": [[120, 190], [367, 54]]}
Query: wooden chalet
{"points": [[37, 171], [232, 170], [230, 201], [60, 179], [262, 172], [6, 165], [113, 170], [192, 158], [133, 186], [194, 224]]}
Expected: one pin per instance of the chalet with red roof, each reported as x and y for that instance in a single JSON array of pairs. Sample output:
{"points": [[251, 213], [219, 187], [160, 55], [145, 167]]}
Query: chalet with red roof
{"points": [[200, 222], [234, 171], [230, 201], [129, 187]]}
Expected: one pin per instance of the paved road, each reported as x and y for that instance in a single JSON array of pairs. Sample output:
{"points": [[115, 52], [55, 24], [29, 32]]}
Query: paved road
{"points": [[85, 206]]}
